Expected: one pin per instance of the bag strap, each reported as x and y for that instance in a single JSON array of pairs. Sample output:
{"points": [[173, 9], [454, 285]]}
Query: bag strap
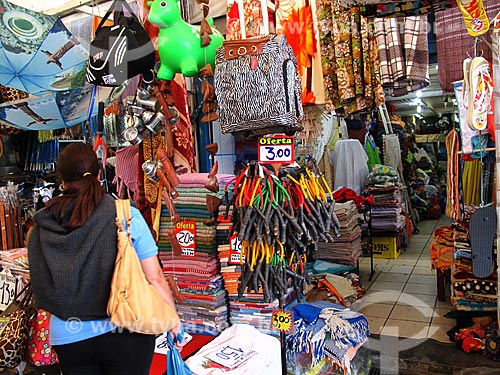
{"points": [[26, 300], [27, 288], [117, 6], [123, 213]]}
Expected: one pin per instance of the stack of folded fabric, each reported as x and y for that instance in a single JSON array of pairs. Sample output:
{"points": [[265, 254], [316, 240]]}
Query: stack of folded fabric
{"points": [[347, 248], [252, 309], [387, 211], [204, 310], [387, 214], [442, 247], [230, 268], [469, 293]]}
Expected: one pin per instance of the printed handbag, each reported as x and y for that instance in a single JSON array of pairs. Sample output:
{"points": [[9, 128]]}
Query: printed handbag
{"points": [[14, 328], [121, 51], [134, 303], [40, 352], [257, 85]]}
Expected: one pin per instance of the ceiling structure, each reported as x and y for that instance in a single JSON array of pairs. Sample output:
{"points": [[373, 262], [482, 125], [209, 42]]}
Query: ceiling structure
{"points": [[431, 100]]}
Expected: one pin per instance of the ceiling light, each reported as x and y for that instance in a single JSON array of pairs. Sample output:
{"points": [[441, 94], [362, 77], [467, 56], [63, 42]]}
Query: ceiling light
{"points": [[420, 108], [419, 93]]}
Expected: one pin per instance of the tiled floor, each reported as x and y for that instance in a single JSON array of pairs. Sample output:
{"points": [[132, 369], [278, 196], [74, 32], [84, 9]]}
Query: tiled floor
{"points": [[401, 299]]}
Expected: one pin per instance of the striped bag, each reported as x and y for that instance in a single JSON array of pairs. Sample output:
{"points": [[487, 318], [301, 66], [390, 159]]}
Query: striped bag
{"points": [[257, 86]]}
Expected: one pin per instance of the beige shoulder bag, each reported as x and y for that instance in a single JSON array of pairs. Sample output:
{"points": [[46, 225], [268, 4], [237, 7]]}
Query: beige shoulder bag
{"points": [[134, 303]]}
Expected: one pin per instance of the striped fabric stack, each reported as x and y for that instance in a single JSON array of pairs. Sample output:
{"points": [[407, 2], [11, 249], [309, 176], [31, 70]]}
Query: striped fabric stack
{"points": [[388, 216], [347, 248], [230, 272], [251, 309], [198, 277], [469, 292]]}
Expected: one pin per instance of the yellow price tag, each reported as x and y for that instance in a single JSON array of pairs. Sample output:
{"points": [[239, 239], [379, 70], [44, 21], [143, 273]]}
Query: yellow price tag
{"points": [[282, 321]]}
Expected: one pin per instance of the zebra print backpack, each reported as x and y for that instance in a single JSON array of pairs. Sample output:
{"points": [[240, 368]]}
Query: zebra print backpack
{"points": [[257, 86]]}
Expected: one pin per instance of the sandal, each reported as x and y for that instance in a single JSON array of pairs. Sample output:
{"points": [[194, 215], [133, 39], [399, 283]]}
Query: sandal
{"points": [[480, 93]]}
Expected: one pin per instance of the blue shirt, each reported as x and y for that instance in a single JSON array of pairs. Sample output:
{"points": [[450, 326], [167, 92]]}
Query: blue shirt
{"points": [[74, 330]]}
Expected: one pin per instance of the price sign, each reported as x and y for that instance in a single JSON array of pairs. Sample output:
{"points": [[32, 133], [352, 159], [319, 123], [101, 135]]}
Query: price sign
{"points": [[9, 286], [231, 356], [185, 231], [276, 149], [235, 255], [282, 321]]}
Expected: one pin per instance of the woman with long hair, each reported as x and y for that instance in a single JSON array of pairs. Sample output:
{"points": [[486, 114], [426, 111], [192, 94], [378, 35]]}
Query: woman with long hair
{"points": [[72, 250]]}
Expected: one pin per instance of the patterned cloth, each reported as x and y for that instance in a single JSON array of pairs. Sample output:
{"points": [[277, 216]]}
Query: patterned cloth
{"points": [[327, 331], [403, 51], [350, 59], [204, 309], [469, 293], [252, 18], [184, 158], [442, 247]]}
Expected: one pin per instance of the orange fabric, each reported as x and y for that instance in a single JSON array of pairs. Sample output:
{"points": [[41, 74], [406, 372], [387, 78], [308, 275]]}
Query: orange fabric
{"points": [[441, 255], [95, 23], [442, 247], [326, 284], [114, 109]]}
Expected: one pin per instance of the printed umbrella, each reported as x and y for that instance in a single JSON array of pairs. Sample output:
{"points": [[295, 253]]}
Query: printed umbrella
{"points": [[54, 110], [37, 52]]}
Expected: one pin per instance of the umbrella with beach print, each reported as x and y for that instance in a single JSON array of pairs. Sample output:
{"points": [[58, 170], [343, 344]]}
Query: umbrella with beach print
{"points": [[37, 52], [54, 110]]}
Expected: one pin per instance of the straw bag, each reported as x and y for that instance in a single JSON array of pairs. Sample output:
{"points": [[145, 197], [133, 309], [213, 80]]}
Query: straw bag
{"points": [[134, 303], [257, 86]]}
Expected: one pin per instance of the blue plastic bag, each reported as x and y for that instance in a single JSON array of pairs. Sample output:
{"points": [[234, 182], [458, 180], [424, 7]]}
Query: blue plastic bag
{"points": [[175, 363]]}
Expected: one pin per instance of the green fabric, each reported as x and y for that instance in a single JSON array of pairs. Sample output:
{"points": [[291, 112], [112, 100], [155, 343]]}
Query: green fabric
{"points": [[372, 153]]}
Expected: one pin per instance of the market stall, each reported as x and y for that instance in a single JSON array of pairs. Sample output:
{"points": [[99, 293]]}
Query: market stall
{"points": [[322, 169]]}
